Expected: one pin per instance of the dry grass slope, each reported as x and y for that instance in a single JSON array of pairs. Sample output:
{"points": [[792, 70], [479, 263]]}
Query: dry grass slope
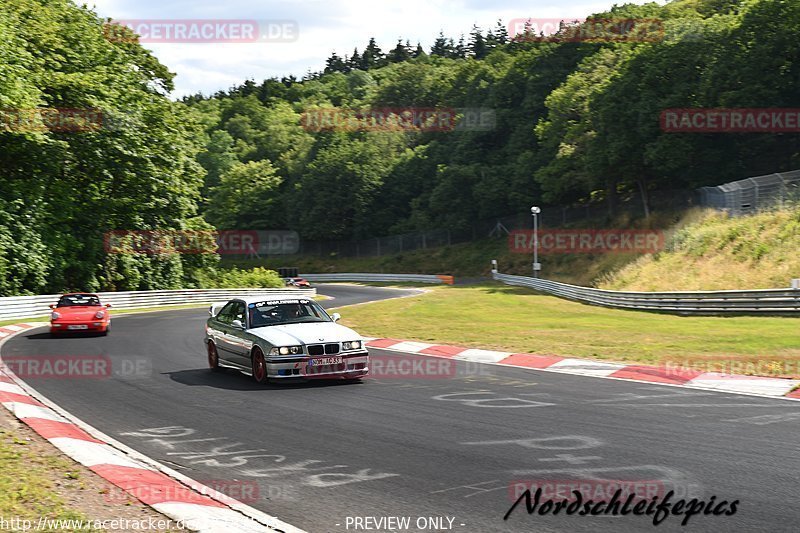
{"points": [[711, 251]]}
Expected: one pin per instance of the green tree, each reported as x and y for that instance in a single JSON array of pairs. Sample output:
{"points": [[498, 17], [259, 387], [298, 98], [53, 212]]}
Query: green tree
{"points": [[246, 198], [477, 44]]}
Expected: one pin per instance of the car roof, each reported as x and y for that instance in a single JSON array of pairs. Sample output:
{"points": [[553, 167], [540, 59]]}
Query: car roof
{"points": [[80, 294]]}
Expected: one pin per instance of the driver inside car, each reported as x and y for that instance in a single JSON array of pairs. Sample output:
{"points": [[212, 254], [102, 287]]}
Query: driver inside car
{"points": [[296, 311]]}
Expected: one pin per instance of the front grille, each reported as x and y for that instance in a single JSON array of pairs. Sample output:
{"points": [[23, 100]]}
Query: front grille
{"points": [[331, 348], [323, 349], [316, 349]]}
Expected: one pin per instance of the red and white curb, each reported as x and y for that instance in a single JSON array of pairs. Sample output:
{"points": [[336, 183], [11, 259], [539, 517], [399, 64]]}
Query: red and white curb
{"points": [[664, 375], [196, 506]]}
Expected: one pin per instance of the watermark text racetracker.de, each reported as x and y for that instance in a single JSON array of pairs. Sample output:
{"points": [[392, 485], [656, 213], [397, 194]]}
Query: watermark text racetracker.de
{"points": [[201, 31], [405, 367], [44, 523], [731, 120], [398, 119], [722, 367], [244, 491], [76, 366], [231, 242], [51, 119], [590, 241]]}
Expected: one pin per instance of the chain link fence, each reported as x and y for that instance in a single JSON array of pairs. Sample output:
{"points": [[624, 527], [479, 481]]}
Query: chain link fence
{"points": [[753, 194], [499, 227], [378, 246]]}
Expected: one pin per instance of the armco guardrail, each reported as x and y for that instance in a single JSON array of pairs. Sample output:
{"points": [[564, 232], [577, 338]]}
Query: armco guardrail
{"points": [[367, 277], [752, 302], [34, 306]]}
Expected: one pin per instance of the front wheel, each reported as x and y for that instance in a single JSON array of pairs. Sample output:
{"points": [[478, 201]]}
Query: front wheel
{"points": [[213, 357], [259, 366]]}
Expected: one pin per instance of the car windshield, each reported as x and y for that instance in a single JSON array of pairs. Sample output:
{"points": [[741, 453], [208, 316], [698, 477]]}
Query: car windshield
{"points": [[273, 313], [73, 300]]}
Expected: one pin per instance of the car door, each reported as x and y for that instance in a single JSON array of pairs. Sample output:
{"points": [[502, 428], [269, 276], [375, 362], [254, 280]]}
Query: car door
{"points": [[223, 327], [238, 340]]}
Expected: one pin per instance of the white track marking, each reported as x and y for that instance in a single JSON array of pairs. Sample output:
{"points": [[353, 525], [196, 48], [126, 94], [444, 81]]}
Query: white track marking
{"points": [[482, 356], [584, 367]]}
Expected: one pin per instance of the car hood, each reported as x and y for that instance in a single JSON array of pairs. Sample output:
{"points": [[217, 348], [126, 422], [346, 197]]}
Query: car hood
{"points": [[312, 333], [79, 312]]}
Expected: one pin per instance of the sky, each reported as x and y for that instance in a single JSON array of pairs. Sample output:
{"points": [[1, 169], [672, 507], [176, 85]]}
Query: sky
{"points": [[305, 33]]}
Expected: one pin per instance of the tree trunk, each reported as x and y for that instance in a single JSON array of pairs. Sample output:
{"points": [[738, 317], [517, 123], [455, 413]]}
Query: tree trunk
{"points": [[612, 198], [645, 202]]}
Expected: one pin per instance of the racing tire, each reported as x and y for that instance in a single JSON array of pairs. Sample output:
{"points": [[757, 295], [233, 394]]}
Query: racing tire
{"points": [[213, 357], [258, 366]]}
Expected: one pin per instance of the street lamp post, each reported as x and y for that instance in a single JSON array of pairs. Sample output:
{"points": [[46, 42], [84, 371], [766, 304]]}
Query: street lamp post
{"points": [[537, 266]]}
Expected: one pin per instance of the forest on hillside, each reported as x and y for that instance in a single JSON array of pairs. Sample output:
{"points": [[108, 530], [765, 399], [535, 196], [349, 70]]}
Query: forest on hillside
{"points": [[572, 120]]}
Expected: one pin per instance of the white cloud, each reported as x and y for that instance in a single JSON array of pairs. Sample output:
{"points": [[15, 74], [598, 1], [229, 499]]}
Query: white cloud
{"points": [[324, 26]]}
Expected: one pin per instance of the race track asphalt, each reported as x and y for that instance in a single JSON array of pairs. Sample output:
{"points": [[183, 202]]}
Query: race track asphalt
{"points": [[447, 442]]}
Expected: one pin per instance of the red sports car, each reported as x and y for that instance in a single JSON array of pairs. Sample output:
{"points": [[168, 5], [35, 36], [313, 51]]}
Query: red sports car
{"points": [[80, 312], [298, 282]]}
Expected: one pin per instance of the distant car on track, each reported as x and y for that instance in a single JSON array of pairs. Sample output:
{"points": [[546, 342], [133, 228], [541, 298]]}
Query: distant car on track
{"points": [[297, 282], [79, 311], [286, 338]]}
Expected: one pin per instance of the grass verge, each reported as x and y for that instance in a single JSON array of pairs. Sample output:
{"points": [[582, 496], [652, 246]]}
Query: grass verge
{"points": [[516, 319], [26, 483], [38, 483]]}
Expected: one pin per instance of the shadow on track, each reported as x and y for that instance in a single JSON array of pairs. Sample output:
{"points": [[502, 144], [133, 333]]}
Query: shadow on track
{"points": [[65, 336], [233, 380]]}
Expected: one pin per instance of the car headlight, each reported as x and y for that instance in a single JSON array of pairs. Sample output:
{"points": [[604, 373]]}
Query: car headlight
{"points": [[55, 316], [352, 345], [100, 314], [286, 350]]}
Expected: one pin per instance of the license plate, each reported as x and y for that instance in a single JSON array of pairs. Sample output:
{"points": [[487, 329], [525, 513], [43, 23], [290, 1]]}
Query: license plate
{"points": [[78, 326], [325, 361]]}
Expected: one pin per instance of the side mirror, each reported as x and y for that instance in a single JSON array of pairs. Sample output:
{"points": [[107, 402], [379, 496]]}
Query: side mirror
{"points": [[52, 306], [237, 323], [109, 306], [336, 317]]}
